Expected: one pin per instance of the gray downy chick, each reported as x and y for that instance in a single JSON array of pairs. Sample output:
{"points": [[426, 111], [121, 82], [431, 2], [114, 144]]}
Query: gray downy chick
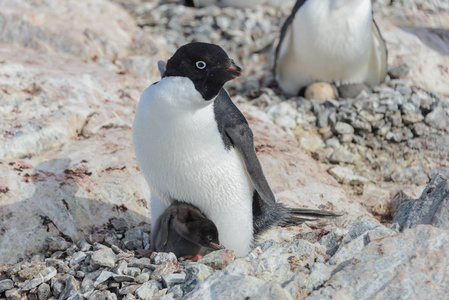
{"points": [[184, 230]]}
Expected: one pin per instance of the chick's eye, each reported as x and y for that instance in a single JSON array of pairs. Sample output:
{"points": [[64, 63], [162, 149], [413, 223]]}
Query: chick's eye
{"points": [[209, 237], [200, 64]]}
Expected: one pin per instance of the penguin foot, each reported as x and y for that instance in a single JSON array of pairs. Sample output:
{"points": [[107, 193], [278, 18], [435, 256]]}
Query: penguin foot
{"points": [[352, 90], [192, 257]]}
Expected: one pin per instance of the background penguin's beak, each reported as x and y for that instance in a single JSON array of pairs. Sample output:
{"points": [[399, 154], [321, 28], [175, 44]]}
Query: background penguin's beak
{"points": [[234, 70], [216, 246]]}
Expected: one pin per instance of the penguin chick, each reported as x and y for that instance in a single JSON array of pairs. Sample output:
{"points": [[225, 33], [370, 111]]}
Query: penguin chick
{"points": [[185, 231], [335, 41]]}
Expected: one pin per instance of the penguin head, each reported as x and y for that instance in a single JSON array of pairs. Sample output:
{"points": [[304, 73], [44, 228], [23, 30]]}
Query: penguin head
{"points": [[206, 65], [205, 233], [196, 227]]}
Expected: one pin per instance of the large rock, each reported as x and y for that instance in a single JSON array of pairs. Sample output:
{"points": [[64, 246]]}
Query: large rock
{"points": [[414, 37], [431, 208], [414, 264]]}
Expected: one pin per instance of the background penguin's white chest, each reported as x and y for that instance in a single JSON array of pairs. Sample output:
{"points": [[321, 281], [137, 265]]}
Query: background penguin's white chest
{"points": [[181, 153], [328, 42]]}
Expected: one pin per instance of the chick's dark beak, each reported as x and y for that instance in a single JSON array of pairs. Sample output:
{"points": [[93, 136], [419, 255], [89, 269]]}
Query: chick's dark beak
{"points": [[216, 246], [234, 70]]}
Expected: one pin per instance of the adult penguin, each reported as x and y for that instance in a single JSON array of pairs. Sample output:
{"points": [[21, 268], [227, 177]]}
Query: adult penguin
{"points": [[335, 41], [193, 145]]}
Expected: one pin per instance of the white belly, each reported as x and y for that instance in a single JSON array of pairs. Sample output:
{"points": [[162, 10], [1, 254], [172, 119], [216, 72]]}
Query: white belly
{"points": [[327, 43], [182, 156]]}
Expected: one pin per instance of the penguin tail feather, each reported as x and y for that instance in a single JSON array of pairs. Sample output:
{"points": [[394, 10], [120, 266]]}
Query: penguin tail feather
{"points": [[296, 216]]}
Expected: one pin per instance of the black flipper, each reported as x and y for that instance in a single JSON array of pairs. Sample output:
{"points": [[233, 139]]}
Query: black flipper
{"points": [[284, 28], [235, 132]]}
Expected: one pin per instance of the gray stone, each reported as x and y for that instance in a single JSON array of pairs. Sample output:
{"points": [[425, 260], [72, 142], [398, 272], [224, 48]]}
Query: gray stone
{"points": [[104, 275], [44, 291], [83, 245], [280, 262], [343, 128], [119, 224], [228, 287], [387, 269], [43, 276], [77, 258], [104, 257], [76, 296], [399, 134], [361, 125], [444, 171], [162, 257], [56, 243], [414, 175], [13, 294], [195, 274], [119, 267], [341, 155], [400, 71], [142, 278], [176, 292], [149, 289], [57, 287], [170, 280], [239, 267], [271, 290], [218, 259], [438, 118], [72, 287], [87, 285], [6, 284], [358, 228], [142, 263], [133, 239], [128, 289], [432, 207], [123, 278], [130, 271]]}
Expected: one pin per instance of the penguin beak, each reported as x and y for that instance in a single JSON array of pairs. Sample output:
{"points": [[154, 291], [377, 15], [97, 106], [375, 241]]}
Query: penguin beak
{"points": [[216, 246], [234, 70]]}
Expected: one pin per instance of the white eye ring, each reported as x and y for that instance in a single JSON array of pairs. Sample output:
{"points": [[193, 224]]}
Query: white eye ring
{"points": [[200, 64]]}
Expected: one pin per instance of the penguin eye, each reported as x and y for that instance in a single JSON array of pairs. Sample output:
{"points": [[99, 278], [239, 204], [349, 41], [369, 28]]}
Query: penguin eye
{"points": [[200, 64], [209, 237]]}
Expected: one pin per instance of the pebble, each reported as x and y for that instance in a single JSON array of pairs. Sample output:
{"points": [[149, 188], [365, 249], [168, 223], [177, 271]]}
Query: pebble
{"points": [[43, 276], [341, 155], [218, 259], [170, 280], [71, 288], [104, 258], [6, 285], [77, 258], [13, 294], [194, 275], [44, 291]]}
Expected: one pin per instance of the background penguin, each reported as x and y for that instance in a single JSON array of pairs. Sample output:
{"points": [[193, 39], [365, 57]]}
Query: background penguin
{"points": [[185, 231], [330, 40], [192, 143]]}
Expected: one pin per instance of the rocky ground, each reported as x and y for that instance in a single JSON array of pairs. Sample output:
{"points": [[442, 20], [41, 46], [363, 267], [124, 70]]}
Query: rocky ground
{"points": [[74, 213]]}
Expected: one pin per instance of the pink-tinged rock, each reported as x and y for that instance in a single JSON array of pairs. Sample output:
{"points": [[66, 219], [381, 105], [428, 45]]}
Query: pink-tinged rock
{"points": [[422, 49]]}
